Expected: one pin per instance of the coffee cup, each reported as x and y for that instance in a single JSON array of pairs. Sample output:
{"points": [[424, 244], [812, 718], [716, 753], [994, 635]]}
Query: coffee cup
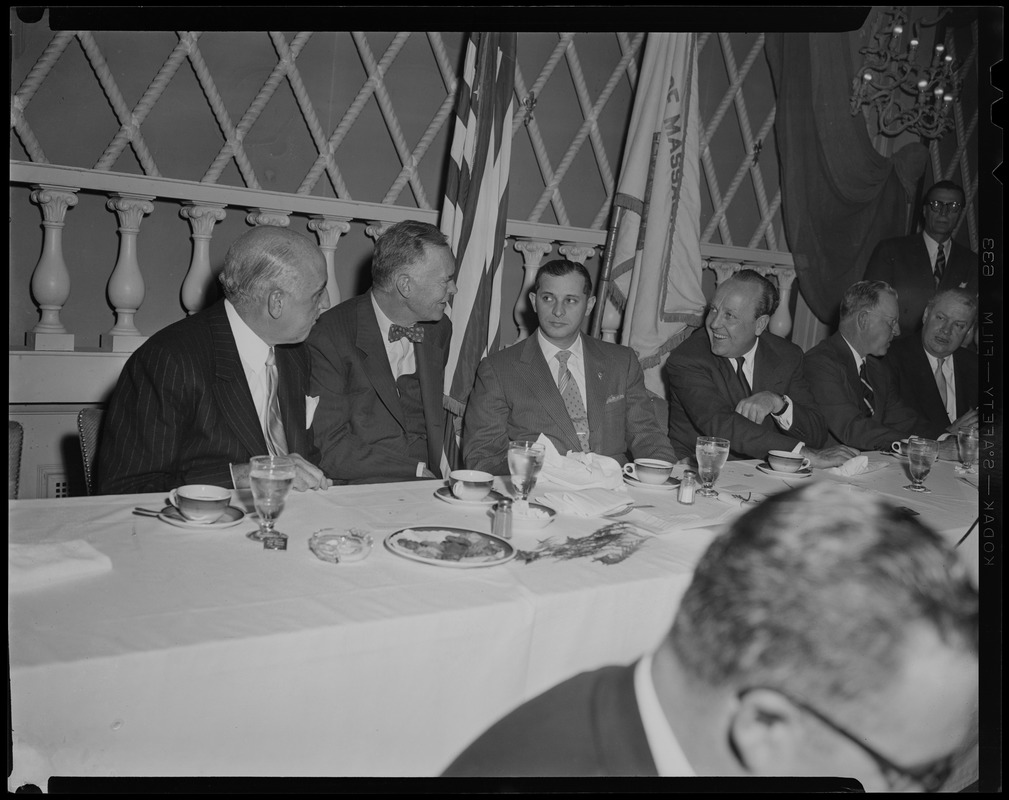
{"points": [[899, 447], [649, 470], [785, 461], [470, 484], [201, 503]]}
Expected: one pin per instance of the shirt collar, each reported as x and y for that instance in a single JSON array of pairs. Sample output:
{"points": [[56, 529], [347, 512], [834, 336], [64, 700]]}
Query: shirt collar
{"points": [[550, 349], [670, 760], [858, 359], [251, 349], [933, 246], [384, 323]]}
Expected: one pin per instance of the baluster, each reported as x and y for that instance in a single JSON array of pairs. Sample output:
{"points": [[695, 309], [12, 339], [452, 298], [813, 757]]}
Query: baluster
{"points": [[269, 216], [202, 219], [579, 253], [723, 270], [612, 316], [533, 251], [781, 321], [126, 285], [329, 231], [51, 280], [374, 229]]}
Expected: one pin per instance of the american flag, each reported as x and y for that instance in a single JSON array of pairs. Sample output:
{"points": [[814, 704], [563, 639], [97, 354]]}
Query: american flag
{"points": [[474, 214]]}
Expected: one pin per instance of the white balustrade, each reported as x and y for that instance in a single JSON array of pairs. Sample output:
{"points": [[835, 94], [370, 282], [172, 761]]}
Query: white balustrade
{"points": [[269, 216], [202, 219], [533, 251], [579, 253], [51, 280], [781, 322], [329, 230], [126, 285]]}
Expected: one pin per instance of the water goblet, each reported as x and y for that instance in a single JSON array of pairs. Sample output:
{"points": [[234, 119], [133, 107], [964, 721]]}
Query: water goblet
{"points": [[270, 478], [921, 454], [967, 440], [525, 460], [712, 453]]}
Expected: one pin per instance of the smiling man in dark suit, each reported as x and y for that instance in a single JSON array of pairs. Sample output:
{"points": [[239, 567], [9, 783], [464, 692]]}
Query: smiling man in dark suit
{"points": [[736, 380], [194, 402], [585, 395], [934, 373], [378, 363]]}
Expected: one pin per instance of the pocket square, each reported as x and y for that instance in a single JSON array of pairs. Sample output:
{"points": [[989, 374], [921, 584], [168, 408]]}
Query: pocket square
{"points": [[614, 398], [311, 403]]}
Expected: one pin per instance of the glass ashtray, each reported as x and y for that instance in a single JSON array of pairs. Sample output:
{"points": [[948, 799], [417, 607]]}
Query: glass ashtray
{"points": [[340, 547]]}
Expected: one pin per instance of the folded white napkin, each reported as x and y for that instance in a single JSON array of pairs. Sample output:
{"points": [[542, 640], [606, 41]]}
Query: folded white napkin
{"points": [[859, 465], [587, 502], [579, 470], [31, 566]]}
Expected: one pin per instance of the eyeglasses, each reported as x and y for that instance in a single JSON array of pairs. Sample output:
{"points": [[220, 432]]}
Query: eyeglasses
{"points": [[890, 321], [930, 777], [939, 206]]}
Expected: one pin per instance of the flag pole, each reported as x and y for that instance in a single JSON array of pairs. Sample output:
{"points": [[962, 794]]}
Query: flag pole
{"points": [[605, 270]]}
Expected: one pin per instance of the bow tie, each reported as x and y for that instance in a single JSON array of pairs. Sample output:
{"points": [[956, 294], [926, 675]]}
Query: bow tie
{"points": [[414, 333]]}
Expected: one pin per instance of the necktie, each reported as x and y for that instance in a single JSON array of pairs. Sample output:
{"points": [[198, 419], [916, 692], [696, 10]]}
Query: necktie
{"points": [[276, 441], [740, 361], [868, 396], [940, 382], [415, 333], [573, 400], [940, 264]]}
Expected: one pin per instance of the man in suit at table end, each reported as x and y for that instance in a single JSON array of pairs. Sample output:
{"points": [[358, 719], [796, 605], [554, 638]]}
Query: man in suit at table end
{"points": [[378, 363], [918, 265], [934, 373], [810, 633], [854, 388], [204, 395], [585, 395], [761, 404]]}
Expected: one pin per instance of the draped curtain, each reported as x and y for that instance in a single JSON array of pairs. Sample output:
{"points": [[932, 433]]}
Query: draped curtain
{"points": [[840, 197]]}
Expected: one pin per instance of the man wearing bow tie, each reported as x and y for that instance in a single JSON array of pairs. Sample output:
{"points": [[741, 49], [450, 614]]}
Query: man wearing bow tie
{"points": [[378, 363], [919, 265]]}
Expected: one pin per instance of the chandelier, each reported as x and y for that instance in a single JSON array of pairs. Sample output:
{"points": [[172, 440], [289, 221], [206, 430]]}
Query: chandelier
{"points": [[906, 95]]}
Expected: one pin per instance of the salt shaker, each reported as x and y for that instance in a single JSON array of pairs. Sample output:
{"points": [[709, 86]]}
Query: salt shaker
{"points": [[688, 483], [502, 525]]}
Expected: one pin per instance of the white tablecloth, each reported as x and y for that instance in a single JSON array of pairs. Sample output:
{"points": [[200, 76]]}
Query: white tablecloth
{"points": [[202, 654]]}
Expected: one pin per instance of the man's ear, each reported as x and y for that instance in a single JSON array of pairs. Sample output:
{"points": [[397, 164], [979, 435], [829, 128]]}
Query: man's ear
{"points": [[589, 305], [767, 732], [762, 322], [404, 284], [275, 303]]}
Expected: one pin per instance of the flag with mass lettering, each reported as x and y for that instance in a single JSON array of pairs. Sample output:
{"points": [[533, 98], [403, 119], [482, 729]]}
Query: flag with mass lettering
{"points": [[656, 274], [473, 217]]}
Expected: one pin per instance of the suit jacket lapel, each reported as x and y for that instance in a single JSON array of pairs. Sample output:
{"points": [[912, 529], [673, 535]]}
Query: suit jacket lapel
{"points": [[231, 389], [541, 383], [429, 358], [292, 402], [375, 359], [595, 391]]}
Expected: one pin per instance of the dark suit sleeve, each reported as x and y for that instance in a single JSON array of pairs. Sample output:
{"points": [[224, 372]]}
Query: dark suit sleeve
{"points": [[154, 405], [881, 263], [808, 424], [485, 424], [645, 436]]}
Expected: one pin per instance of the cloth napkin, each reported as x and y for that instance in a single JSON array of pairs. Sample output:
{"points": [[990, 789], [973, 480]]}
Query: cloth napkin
{"points": [[859, 465], [588, 502], [31, 566], [579, 470]]}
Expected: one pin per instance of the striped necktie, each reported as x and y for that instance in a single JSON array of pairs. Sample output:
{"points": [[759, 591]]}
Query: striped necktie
{"points": [[940, 264], [740, 361], [573, 400], [940, 382], [868, 396], [276, 441]]}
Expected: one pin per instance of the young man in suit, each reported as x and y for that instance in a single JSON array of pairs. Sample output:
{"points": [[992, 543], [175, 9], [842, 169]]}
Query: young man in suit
{"points": [[800, 648], [934, 373], [918, 265], [203, 396], [378, 363], [736, 380], [519, 392]]}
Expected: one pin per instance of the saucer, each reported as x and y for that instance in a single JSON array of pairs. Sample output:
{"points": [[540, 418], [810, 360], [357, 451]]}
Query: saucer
{"points": [[670, 484], [171, 515], [445, 493], [802, 473]]}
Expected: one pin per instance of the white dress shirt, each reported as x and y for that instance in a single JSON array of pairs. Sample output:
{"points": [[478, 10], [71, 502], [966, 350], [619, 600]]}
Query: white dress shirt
{"points": [[400, 353], [933, 249], [947, 371], [784, 419], [253, 352], [669, 758], [576, 363]]}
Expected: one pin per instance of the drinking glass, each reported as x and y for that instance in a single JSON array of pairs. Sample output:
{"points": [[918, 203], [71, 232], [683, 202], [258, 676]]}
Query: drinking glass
{"points": [[921, 454], [525, 460], [712, 453], [271, 478], [967, 439]]}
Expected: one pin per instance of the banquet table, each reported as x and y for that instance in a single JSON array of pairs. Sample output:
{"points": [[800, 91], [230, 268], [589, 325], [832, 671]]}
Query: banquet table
{"points": [[201, 653]]}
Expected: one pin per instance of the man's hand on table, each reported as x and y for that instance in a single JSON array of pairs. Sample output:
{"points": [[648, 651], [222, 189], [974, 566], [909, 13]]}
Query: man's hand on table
{"points": [[306, 475], [828, 456]]}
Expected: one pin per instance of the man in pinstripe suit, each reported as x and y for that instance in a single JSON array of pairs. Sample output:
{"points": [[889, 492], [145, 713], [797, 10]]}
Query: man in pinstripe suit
{"points": [[191, 405]]}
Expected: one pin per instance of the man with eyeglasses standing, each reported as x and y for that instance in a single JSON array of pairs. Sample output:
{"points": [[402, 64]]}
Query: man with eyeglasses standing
{"points": [[818, 637], [854, 389], [919, 265]]}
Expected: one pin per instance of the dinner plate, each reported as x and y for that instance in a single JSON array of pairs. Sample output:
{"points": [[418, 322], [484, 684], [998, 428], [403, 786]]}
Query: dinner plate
{"points": [[670, 484], [441, 546], [171, 515], [445, 493], [802, 473]]}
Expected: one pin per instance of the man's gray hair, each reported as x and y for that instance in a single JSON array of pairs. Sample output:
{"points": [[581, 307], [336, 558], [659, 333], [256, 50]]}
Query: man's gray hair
{"points": [[263, 260], [864, 296]]}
